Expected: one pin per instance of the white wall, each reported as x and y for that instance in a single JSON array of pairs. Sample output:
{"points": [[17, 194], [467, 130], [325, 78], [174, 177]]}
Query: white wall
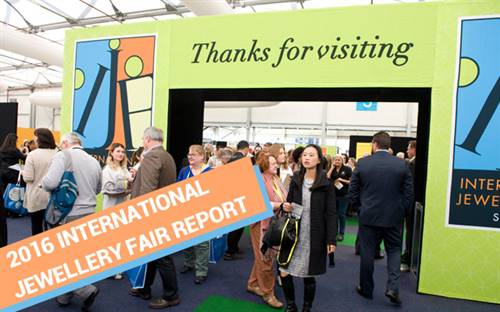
{"points": [[226, 114], [30, 116], [387, 114], [289, 112], [287, 121], [307, 113]]}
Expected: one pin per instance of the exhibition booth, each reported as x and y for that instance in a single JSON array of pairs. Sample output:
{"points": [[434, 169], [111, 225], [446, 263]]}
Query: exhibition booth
{"points": [[118, 80]]}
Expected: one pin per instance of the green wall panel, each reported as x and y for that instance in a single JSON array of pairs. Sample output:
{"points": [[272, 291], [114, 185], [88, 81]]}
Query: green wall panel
{"points": [[460, 263]]}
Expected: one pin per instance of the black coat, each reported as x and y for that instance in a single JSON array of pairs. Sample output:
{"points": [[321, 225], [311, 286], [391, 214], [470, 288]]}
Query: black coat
{"points": [[345, 173], [323, 219], [9, 158], [382, 188], [411, 166]]}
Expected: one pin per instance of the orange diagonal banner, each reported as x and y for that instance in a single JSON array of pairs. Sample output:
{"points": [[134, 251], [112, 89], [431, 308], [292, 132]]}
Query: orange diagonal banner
{"points": [[127, 235]]}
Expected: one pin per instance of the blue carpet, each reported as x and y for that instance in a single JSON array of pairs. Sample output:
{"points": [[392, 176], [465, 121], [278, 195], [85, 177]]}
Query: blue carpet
{"points": [[335, 291]]}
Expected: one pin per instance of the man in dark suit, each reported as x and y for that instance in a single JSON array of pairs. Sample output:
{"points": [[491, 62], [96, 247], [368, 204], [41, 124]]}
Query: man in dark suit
{"points": [[233, 251], [156, 170], [382, 189], [411, 151]]}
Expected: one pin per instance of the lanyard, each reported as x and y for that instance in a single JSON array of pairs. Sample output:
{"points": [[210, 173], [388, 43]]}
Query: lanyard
{"points": [[203, 167], [277, 190]]}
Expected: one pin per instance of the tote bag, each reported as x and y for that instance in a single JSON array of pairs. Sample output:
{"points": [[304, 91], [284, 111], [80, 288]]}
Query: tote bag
{"points": [[218, 247], [13, 199], [137, 276]]}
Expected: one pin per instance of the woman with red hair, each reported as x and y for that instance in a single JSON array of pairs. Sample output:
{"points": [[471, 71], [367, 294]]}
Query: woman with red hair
{"points": [[262, 278]]}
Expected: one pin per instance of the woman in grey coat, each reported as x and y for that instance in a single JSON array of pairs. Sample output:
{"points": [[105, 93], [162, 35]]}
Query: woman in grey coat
{"points": [[313, 194]]}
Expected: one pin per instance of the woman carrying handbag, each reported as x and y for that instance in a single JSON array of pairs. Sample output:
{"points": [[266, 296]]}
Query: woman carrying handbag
{"points": [[262, 277], [9, 155], [312, 192]]}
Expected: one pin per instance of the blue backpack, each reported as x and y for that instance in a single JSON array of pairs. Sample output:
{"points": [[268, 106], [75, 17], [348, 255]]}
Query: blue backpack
{"points": [[63, 197]]}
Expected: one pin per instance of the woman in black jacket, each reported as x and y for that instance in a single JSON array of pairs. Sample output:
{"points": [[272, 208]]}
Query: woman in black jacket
{"points": [[311, 189], [9, 155], [340, 175]]}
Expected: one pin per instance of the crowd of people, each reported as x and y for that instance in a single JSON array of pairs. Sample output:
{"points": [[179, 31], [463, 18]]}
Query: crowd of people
{"points": [[317, 188]]}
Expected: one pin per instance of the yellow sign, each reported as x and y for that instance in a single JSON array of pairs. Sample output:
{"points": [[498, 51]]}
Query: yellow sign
{"points": [[363, 149]]}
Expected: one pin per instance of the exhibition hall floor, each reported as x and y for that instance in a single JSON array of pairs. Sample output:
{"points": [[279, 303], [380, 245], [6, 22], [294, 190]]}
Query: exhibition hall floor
{"points": [[225, 288]]}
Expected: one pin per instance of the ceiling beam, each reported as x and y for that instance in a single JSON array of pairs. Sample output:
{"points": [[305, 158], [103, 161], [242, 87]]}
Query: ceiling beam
{"points": [[208, 7], [23, 66], [245, 3], [36, 86], [297, 126], [106, 19]]}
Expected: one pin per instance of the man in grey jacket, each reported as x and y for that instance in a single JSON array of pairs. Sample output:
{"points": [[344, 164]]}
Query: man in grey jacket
{"points": [[88, 179]]}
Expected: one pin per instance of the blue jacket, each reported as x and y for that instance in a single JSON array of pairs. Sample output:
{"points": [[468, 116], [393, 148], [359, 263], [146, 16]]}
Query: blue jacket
{"points": [[186, 173]]}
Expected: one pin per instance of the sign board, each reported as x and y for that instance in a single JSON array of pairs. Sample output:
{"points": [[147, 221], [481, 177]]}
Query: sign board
{"points": [[132, 233], [474, 187], [366, 106]]}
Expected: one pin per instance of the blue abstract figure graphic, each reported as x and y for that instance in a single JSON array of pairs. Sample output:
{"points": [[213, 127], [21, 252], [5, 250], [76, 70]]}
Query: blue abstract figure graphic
{"points": [[113, 91], [478, 96]]}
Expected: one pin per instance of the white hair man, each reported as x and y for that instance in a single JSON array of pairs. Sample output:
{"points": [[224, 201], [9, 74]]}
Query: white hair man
{"points": [[88, 179]]}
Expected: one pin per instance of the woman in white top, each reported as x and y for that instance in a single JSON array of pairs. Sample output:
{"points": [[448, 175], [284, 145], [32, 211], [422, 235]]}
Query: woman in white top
{"points": [[285, 173], [115, 177], [37, 163], [115, 180]]}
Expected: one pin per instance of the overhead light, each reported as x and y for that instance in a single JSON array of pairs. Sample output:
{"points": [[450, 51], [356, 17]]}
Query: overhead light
{"points": [[45, 98], [3, 86]]}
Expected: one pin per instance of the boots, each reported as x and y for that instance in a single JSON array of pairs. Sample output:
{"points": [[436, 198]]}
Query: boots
{"points": [[331, 257], [309, 292], [289, 291]]}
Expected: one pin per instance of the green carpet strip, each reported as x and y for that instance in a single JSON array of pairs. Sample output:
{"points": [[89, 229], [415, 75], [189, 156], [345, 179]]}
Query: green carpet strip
{"points": [[223, 304]]}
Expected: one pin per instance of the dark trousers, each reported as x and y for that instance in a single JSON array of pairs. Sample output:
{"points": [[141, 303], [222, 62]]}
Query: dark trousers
{"points": [[3, 220], [3, 226], [369, 237], [341, 211], [357, 246], [409, 219], [166, 267], [233, 238], [37, 221]]}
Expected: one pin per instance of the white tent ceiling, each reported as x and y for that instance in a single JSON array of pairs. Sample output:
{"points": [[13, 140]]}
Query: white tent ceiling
{"points": [[49, 19]]}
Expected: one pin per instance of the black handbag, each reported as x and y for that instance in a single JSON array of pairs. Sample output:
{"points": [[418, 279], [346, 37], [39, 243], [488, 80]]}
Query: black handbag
{"points": [[283, 233]]}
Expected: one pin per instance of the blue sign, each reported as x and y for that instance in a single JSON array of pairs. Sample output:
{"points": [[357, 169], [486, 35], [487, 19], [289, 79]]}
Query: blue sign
{"points": [[366, 106], [305, 141]]}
